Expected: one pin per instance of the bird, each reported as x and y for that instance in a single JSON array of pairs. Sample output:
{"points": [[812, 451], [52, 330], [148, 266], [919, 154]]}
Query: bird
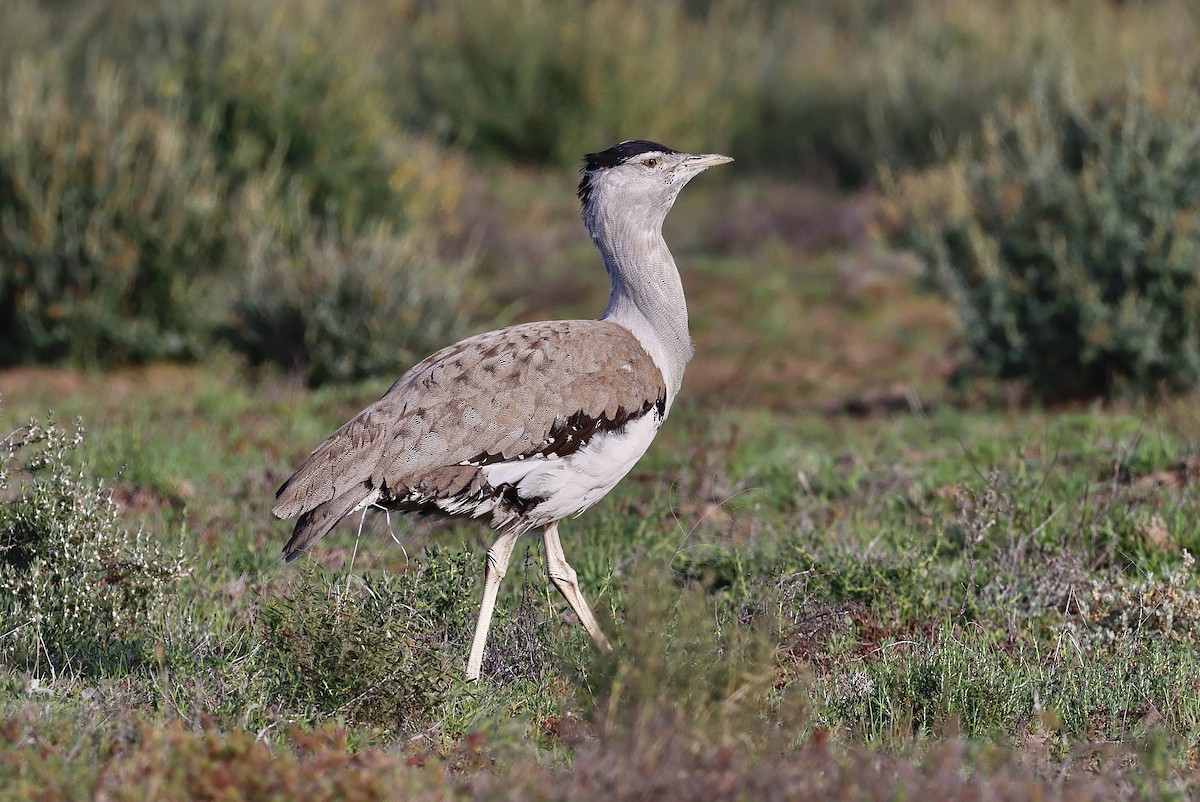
{"points": [[536, 422]]}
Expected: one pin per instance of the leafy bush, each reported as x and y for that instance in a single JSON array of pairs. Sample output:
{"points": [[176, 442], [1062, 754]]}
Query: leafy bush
{"points": [[841, 89], [157, 146], [76, 590], [280, 89], [872, 88], [538, 81], [377, 651], [1121, 613], [280, 85], [336, 305], [110, 217], [1071, 245]]}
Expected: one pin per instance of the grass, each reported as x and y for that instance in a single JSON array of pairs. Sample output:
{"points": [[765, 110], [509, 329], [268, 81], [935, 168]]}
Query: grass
{"points": [[894, 600], [798, 575]]}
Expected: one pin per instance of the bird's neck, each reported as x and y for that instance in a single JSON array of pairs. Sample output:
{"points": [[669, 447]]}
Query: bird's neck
{"points": [[647, 293]]}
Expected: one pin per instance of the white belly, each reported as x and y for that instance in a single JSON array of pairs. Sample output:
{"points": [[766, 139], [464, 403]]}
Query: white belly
{"points": [[571, 484]]}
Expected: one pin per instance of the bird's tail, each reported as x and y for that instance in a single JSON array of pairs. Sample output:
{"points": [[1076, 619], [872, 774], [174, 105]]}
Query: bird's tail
{"points": [[316, 523]]}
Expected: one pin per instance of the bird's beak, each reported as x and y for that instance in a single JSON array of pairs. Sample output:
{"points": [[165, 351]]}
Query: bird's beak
{"points": [[704, 161]]}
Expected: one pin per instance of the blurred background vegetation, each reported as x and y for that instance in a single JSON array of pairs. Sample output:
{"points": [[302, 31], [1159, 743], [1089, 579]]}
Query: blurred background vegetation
{"points": [[177, 177]]}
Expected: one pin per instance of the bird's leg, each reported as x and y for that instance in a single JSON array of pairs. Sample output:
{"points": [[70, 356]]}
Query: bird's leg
{"points": [[497, 565], [567, 581]]}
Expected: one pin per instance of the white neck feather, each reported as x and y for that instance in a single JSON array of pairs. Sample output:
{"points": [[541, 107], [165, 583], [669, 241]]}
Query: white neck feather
{"points": [[647, 294]]}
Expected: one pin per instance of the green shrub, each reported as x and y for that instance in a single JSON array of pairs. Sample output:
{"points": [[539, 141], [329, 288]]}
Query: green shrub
{"points": [[1072, 243], [156, 148], [77, 591], [337, 305], [110, 217], [1121, 614], [538, 81], [273, 82], [378, 651], [840, 89], [841, 93], [279, 83]]}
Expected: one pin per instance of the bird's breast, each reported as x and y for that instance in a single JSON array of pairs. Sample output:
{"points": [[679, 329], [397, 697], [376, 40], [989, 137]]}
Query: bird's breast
{"points": [[568, 484]]}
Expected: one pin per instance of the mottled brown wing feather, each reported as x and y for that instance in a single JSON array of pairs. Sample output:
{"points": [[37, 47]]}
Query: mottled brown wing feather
{"points": [[499, 394]]}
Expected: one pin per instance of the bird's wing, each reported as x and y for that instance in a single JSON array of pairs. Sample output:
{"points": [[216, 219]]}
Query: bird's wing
{"points": [[537, 388]]}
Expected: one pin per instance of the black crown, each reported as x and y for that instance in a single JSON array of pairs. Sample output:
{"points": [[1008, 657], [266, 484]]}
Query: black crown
{"points": [[617, 154]]}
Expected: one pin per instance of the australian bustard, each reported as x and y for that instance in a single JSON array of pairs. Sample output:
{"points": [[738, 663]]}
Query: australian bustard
{"points": [[531, 423]]}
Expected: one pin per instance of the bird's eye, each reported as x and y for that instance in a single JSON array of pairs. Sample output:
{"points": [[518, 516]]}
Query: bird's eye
{"points": [[651, 163]]}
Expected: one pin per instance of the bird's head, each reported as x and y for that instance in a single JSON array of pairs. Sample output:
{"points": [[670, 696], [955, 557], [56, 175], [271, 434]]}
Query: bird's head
{"points": [[639, 176]]}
